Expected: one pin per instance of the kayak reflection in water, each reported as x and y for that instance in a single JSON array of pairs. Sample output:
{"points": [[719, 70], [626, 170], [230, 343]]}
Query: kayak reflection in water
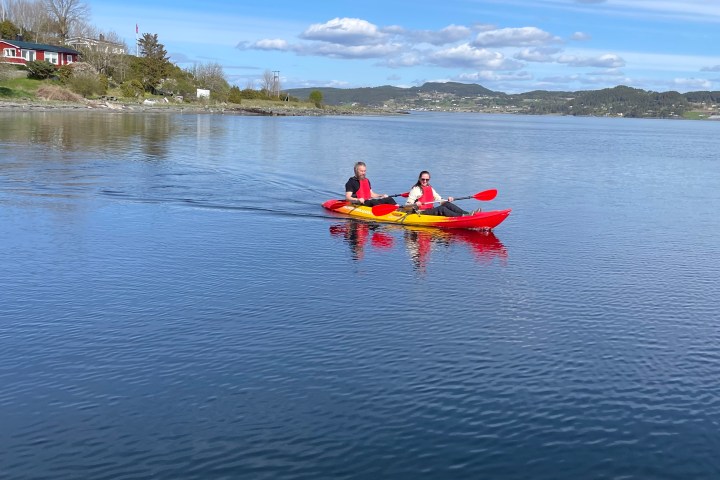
{"points": [[422, 195], [419, 241], [357, 234]]}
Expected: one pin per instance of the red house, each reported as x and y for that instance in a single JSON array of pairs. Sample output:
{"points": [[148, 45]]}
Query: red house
{"points": [[18, 51]]}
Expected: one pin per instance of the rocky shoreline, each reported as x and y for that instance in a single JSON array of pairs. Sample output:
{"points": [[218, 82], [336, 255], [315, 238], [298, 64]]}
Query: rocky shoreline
{"points": [[161, 107]]}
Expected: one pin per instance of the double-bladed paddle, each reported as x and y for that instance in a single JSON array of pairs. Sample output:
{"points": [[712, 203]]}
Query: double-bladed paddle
{"points": [[384, 209], [342, 203]]}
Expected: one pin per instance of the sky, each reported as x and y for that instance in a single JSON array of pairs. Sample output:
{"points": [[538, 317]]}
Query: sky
{"points": [[512, 46]]}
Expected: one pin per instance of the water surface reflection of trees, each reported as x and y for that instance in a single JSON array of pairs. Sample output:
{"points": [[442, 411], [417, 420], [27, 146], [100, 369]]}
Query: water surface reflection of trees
{"points": [[149, 134]]}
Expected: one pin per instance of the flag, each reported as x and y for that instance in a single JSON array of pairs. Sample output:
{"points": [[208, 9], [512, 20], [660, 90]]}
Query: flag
{"points": [[136, 29]]}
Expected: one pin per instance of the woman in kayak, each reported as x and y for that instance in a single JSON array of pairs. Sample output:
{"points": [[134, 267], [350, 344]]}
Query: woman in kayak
{"points": [[359, 192], [422, 197]]}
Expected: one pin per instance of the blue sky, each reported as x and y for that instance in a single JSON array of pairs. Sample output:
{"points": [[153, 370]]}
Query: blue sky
{"points": [[511, 46]]}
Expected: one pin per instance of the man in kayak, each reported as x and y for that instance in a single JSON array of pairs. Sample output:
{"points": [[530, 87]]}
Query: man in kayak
{"points": [[359, 192], [423, 196]]}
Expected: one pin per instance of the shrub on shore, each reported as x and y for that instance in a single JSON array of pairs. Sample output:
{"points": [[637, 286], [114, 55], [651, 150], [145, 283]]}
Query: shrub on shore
{"points": [[40, 69], [53, 92], [83, 78], [131, 89]]}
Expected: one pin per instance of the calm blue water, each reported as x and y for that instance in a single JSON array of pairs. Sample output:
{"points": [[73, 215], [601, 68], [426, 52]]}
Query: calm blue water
{"points": [[175, 304]]}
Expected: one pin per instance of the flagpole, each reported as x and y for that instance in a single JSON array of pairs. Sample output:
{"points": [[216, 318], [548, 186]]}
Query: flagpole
{"points": [[137, 43]]}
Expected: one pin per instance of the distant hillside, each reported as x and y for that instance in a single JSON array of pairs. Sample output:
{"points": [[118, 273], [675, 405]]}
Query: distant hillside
{"points": [[471, 97], [459, 89], [370, 96], [377, 96]]}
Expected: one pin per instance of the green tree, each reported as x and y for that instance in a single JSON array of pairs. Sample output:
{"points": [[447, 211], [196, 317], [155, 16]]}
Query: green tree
{"points": [[131, 89], [153, 64], [212, 77], [235, 95], [178, 82], [316, 97], [8, 29]]}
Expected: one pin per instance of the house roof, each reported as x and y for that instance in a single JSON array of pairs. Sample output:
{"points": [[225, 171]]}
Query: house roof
{"points": [[39, 46], [93, 41]]}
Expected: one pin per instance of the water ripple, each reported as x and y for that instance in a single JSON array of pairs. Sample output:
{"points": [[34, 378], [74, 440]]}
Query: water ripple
{"points": [[174, 302]]}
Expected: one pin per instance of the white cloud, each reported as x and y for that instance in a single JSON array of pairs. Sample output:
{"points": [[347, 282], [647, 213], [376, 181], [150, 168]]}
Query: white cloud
{"points": [[404, 59], [608, 72], [560, 79], [686, 10], [344, 31], [580, 36], [394, 30], [271, 44], [607, 60], [483, 27], [467, 56], [542, 54], [321, 83], [489, 76], [449, 34], [179, 57], [514, 37], [355, 51], [456, 48], [693, 83]]}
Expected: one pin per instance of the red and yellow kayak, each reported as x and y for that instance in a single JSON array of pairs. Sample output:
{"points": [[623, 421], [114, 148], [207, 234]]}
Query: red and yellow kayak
{"points": [[481, 221]]}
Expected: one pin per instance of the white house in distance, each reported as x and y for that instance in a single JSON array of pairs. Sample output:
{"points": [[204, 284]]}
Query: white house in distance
{"points": [[98, 45], [21, 52]]}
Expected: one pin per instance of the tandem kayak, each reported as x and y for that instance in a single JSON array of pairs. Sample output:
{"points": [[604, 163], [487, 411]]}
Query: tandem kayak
{"points": [[480, 221]]}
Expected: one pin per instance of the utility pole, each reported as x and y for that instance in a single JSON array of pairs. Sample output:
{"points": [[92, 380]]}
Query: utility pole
{"points": [[276, 83]]}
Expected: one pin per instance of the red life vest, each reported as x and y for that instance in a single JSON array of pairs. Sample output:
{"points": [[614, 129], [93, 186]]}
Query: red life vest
{"points": [[364, 190], [427, 196]]}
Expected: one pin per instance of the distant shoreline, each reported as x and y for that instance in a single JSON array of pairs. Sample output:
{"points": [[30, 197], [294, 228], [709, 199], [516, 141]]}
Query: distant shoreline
{"points": [[160, 107], [266, 110]]}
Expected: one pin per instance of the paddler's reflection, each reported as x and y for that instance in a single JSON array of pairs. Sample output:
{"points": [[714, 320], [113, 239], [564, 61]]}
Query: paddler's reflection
{"points": [[357, 234], [419, 242], [418, 245]]}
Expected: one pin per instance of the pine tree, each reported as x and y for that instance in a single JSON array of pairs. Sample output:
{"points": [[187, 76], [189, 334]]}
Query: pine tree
{"points": [[153, 63]]}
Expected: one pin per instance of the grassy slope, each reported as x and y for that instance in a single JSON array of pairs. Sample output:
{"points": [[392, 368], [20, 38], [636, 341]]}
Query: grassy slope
{"points": [[26, 89], [19, 88]]}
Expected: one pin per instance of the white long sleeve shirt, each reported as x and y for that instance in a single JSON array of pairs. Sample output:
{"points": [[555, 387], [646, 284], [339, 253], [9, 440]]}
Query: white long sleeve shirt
{"points": [[416, 192]]}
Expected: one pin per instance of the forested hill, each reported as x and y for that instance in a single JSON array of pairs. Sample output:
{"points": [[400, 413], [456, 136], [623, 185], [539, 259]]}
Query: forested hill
{"points": [[377, 96], [451, 96]]}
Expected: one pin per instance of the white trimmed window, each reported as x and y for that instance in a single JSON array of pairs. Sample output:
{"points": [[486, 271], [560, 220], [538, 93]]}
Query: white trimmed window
{"points": [[68, 58], [9, 52], [52, 57], [28, 55]]}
